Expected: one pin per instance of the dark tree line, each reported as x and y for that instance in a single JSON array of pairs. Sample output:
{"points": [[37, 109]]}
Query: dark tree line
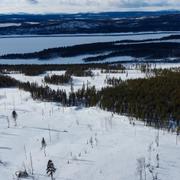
{"points": [[6, 81], [66, 78], [58, 79], [113, 81], [44, 93], [34, 70], [152, 100], [80, 72], [150, 51], [84, 97]]}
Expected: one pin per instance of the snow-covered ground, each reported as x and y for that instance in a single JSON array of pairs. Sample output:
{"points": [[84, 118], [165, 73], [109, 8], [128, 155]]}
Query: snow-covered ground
{"points": [[9, 24], [98, 80], [83, 143], [116, 145]]}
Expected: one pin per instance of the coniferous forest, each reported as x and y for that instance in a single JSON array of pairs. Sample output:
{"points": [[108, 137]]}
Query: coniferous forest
{"points": [[153, 100], [58, 79]]}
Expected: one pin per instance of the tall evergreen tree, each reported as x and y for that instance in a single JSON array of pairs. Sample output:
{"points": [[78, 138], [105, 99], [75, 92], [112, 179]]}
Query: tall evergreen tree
{"points": [[50, 169]]}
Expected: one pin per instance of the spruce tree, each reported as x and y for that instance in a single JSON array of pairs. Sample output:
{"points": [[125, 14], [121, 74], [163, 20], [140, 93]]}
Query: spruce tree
{"points": [[50, 169]]}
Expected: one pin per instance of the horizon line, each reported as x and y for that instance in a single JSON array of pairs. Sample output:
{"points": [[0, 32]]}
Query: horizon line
{"points": [[89, 12]]}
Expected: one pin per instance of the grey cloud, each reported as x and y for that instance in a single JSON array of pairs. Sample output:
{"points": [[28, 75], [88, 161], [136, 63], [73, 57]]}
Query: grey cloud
{"points": [[85, 5], [139, 3], [33, 1]]}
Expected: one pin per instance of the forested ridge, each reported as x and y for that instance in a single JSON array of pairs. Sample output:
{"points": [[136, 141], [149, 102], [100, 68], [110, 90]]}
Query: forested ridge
{"points": [[113, 22], [153, 100]]}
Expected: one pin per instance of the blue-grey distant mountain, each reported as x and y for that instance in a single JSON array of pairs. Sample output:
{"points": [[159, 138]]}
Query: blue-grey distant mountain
{"points": [[106, 22]]}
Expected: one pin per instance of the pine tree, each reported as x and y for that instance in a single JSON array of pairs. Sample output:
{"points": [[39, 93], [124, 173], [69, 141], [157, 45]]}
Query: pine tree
{"points": [[50, 169]]}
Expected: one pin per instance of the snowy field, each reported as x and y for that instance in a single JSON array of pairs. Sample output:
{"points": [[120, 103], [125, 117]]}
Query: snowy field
{"points": [[98, 80], [116, 145], [83, 143]]}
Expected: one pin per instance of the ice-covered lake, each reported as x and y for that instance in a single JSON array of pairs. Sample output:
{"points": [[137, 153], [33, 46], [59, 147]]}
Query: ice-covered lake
{"points": [[28, 43], [24, 44]]}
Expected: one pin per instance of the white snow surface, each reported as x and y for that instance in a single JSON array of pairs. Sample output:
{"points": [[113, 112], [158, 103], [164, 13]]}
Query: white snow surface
{"points": [[116, 146], [9, 24], [98, 80]]}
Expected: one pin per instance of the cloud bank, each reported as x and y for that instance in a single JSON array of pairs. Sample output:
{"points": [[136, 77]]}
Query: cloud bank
{"points": [[73, 6]]}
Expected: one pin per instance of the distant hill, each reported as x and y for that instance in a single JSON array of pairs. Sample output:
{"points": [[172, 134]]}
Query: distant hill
{"points": [[105, 22], [23, 17]]}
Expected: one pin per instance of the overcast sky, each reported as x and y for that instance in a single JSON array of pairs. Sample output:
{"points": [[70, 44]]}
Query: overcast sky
{"points": [[73, 6]]}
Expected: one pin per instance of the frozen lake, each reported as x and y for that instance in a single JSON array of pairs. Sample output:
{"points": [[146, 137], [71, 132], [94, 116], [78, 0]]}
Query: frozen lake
{"points": [[69, 60], [25, 44]]}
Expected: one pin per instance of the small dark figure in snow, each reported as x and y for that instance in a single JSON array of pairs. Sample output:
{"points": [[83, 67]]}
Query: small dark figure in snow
{"points": [[178, 131], [177, 134], [91, 142], [50, 169], [43, 143], [14, 115]]}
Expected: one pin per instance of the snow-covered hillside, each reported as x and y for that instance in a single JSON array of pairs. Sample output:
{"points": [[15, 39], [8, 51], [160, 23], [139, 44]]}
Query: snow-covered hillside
{"points": [[116, 144], [83, 143]]}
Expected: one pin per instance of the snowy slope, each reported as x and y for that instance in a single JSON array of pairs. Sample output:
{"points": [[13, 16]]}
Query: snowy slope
{"points": [[116, 144]]}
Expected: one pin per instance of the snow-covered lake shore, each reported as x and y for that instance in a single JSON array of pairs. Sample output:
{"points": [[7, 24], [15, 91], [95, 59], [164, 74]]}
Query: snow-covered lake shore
{"points": [[26, 44]]}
